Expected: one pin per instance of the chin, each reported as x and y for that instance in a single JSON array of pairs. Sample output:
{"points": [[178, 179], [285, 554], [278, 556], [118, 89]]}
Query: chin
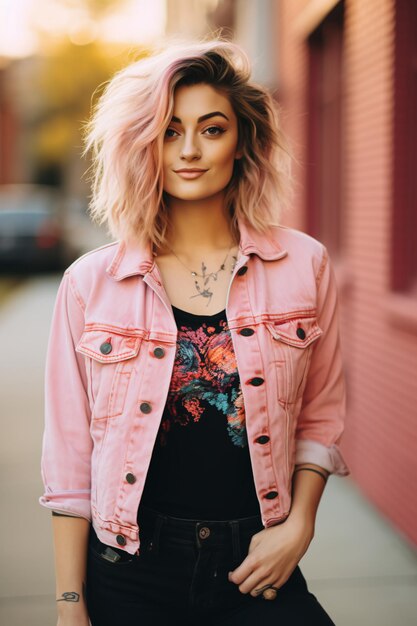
{"points": [[196, 195]]}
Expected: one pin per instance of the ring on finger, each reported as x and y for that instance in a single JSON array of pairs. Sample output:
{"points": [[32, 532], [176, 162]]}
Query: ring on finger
{"points": [[270, 593]]}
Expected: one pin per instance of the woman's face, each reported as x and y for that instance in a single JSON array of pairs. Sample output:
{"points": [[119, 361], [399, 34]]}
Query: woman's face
{"points": [[202, 135]]}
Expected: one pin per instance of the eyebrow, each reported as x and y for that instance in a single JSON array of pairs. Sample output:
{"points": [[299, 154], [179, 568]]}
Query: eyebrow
{"points": [[202, 118]]}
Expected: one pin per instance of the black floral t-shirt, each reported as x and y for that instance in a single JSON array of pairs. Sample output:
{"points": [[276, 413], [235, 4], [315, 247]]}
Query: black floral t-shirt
{"points": [[200, 466]]}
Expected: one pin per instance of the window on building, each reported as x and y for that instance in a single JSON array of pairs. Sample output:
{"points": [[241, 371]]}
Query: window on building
{"points": [[404, 206], [324, 165]]}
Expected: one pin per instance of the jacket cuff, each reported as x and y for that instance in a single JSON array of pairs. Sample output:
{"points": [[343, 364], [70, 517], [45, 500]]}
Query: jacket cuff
{"points": [[328, 457], [56, 514], [72, 505]]}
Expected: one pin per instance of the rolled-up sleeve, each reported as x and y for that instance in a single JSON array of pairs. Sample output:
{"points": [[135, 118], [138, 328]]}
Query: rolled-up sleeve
{"points": [[66, 444], [321, 420]]}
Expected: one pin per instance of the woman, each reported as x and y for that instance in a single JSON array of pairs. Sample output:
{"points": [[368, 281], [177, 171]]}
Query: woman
{"points": [[194, 388]]}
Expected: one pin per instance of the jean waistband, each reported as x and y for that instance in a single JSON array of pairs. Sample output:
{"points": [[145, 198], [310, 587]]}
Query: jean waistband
{"points": [[196, 531]]}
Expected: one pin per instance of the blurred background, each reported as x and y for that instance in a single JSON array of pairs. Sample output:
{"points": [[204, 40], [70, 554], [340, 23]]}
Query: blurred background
{"points": [[345, 75]]}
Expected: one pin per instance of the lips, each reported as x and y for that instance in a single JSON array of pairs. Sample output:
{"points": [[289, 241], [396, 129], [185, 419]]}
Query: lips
{"points": [[190, 173]]}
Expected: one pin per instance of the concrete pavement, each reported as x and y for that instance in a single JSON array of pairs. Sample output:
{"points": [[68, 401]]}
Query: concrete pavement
{"points": [[360, 569], [358, 566]]}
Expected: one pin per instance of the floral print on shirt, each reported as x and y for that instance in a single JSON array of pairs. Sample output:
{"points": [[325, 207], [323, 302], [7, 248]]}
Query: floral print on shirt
{"points": [[205, 377]]}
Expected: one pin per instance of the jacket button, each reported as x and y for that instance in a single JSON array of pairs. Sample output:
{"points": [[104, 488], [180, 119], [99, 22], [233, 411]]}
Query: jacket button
{"points": [[247, 332], [256, 381], [241, 271], [271, 495], [121, 540], [159, 353], [262, 439], [145, 407], [301, 333], [131, 478], [105, 347]]}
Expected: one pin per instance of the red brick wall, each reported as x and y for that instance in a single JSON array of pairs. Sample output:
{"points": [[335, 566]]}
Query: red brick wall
{"points": [[7, 135], [380, 350], [291, 89]]}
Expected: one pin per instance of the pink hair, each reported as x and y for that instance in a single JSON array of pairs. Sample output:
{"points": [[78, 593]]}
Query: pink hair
{"points": [[126, 135]]}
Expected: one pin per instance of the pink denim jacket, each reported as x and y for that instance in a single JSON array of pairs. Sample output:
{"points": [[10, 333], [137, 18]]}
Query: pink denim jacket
{"points": [[110, 357]]}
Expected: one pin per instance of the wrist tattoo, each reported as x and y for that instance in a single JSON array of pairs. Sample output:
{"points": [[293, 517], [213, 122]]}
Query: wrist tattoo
{"points": [[69, 596]]}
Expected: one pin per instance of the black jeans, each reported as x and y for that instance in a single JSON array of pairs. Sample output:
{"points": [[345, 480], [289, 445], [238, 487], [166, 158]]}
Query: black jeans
{"points": [[180, 578]]}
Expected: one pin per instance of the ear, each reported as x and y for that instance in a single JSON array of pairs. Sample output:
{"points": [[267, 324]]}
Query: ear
{"points": [[239, 149]]}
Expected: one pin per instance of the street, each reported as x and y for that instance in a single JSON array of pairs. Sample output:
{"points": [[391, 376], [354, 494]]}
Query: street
{"points": [[358, 566], [27, 582]]}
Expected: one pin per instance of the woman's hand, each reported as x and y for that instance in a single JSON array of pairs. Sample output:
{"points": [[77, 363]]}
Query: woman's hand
{"points": [[273, 555]]}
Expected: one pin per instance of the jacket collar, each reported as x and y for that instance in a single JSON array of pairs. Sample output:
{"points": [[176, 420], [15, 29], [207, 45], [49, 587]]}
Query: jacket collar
{"points": [[131, 258]]}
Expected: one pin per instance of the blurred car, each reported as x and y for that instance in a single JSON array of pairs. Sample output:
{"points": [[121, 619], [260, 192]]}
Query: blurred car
{"points": [[33, 231], [80, 230]]}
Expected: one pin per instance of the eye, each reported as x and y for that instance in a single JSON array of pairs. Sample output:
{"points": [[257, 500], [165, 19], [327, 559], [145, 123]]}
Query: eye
{"points": [[169, 130], [212, 131], [218, 129]]}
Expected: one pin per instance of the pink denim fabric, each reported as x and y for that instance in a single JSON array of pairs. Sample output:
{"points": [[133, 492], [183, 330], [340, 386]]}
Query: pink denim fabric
{"points": [[106, 383]]}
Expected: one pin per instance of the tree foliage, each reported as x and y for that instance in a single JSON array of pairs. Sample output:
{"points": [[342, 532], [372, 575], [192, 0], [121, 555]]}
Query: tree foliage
{"points": [[70, 81]]}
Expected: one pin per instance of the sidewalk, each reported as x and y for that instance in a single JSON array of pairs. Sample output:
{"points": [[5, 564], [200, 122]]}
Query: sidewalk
{"points": [[359, 568], [361, 571]]}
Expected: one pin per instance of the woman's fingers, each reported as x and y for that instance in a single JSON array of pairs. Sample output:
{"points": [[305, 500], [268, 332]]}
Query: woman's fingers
{"points": [[242, 572], [259, 579], [267, 562], [256, 580], [260, 588]]}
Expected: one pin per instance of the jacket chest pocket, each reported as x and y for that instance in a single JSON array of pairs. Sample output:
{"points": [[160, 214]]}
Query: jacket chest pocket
{"points": [[110, 358], [293, 342]]}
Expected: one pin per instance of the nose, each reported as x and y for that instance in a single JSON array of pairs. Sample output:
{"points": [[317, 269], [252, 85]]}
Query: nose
{"points": [[190, 149]]}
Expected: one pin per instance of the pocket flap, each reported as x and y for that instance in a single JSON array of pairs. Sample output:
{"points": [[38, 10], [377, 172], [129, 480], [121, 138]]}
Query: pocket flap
{"points": [[297, 332], [108, 346]]}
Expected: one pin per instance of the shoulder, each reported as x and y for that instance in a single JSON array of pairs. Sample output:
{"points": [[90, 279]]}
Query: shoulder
{"points": [[94, 259], [84, 271], [294, 238], [300, 246]]}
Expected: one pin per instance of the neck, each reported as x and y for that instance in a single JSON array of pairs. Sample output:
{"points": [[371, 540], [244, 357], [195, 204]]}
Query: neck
{"points": [[199, 226]]}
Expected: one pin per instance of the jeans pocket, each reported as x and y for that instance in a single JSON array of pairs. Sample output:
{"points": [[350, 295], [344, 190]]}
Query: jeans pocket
{"points": [[111, 556], [107, 554]]}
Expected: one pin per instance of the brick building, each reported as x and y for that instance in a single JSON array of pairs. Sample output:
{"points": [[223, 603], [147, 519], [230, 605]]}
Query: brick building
{"points": [[347, 80], [8, 130]]}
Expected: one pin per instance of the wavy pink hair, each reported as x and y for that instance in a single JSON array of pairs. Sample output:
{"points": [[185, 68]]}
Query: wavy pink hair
{"points": [[126, 134]]}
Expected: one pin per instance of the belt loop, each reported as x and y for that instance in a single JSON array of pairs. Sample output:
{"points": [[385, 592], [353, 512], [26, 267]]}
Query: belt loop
{"points": [[156, 533], [234, 526]]}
